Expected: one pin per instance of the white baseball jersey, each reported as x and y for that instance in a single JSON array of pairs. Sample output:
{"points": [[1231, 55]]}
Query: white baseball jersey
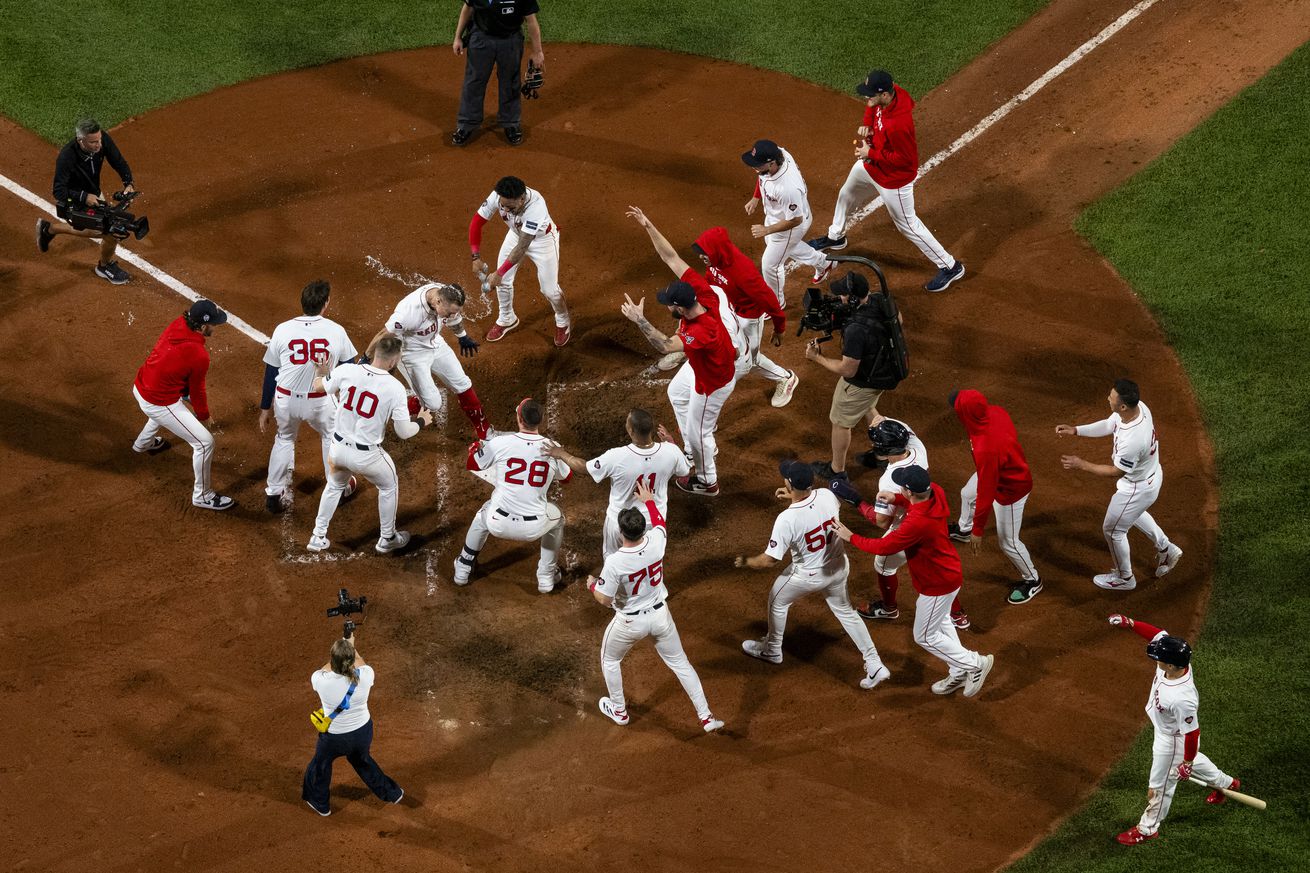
{"points": [[534, 220], [784, 193], [1173, 702], [417, 325], [918, 454], [625, 466], [522, 474], [634, 575], [1135, 450], [366, 398], [298, 343], [806, 530]]}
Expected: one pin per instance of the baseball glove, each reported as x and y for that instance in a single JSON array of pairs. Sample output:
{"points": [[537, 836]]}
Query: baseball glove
{"points": [[845, 491], [533, 81]]}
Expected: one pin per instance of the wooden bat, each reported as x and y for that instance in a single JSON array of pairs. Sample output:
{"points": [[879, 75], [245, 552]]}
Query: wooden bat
{"points": [[1248, 800]]}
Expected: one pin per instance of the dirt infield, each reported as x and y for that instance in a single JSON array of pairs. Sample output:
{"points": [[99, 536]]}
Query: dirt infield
{"points": [[160, 654]]}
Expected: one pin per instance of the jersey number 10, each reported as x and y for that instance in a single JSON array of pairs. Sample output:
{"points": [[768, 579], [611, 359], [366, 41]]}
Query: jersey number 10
{"points": [[366, 406]]}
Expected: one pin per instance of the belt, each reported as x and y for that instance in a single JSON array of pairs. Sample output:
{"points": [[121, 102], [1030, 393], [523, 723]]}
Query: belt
{"points": [[310, 395], [521, 517], [654, 608], [361, 446]]}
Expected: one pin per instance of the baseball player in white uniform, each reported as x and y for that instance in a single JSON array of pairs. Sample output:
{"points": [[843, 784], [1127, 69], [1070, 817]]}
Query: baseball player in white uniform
{"points": [[1172, 708], [530, 232], [1135, 466], [518, 509], [818, 563], [632, 583], [289, 396], [787, 215], [418, 320], [367, 397], [643, 461]]}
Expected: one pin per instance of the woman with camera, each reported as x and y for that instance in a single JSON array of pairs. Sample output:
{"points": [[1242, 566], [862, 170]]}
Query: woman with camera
{"points": [[345, 728]]}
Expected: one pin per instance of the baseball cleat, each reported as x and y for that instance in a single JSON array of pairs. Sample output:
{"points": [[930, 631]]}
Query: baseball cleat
{"points": [[824, 470], [711, 724], [1169, 559], [351, 487], [1133, 836], [318, 543], [499, 330], [1023, 591], [273, 503], [1113, 582], [693, 485], [112, 273], [824, 272], [871, 460], [43, 235], [461, 136], [954, 531], [671, 361], [1217, 796], [617, 714], [876, 609], [944, 278], [323, 812], [216, 502], [562, 335], [827, 243], [393, 543], [157, 445], [949, 685], [974, 679], [755, 648], [546, 584], [960, 620], [398, 799], [514, 135], [786, 388], [872, 680]]}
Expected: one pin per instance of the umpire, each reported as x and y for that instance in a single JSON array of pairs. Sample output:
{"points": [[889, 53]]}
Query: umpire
{"points": [[494, 39]]}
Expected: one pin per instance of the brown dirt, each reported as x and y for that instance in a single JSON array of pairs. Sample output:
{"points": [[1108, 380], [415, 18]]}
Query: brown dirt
{"points": [[160, 655]]}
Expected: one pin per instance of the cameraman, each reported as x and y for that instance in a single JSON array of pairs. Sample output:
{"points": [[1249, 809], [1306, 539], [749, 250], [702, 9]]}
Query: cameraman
{"points": [[77, 183], [351, 731], [862, 371]]}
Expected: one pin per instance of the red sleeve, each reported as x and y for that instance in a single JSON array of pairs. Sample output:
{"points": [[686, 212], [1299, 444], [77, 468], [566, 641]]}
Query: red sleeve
{"points": [[472, 462], [868, 511], [475, 232], [754, 287], [989, 471], [757, 187], [1191, 743], [1144, 630], [656, 519], [889, 543], [196, 383], [897, 150]]}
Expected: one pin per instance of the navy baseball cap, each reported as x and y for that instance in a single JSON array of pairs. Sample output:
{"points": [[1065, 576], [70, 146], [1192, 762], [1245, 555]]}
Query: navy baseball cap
{"points": [[677, 294], [851, 285], [206, 312], [761, 153], [877, 82], [913, 477], [798, 474]]}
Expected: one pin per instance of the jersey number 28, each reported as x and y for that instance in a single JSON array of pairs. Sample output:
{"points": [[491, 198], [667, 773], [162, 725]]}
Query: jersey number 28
{"points": [[537, 472]]}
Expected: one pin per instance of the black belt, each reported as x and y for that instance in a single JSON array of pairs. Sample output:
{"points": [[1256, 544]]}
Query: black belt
{"points": [[654, 608], [522, 517], [363, 448]]}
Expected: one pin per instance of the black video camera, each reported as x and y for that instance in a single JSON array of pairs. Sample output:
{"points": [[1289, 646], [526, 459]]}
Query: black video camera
{"points": [[347, 606], [106, 218], [826, 313]]}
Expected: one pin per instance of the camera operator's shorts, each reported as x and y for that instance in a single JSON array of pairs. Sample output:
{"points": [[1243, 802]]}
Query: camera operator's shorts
{"points": [[851, 405]]}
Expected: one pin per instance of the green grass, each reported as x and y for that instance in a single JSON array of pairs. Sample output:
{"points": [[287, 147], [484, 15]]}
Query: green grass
{"points": [[117, 59], [1215, 236]]}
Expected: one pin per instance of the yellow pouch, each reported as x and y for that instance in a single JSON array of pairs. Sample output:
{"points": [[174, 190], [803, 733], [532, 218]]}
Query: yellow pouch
{"points": [[321, 720]]}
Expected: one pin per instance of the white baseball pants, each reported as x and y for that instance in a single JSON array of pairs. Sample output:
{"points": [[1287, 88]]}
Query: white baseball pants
{"points": [[860, 189], [1009, 521], [544, 252], [177, 419], [752, 332], [625, 631], [376, 466], [1166, 755], [289, 411], [936, 634], [795, 584], [778, 247], [1128, 510], [548, 527], [419, 365], [698, 419]]}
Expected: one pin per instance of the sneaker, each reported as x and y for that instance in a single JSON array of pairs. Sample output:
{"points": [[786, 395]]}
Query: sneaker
{"points": [[546, 584], [711, 724], [671, 361], [514, 135], [944, 278], [318, 543], [954, 531], [871, 681], [1114, 582], [273, 503], [960, 620], [499, 330], [827, 243], [949, 685], [693, 485], [461, 136], [1133, 836], [617, 715], [824, 470], [115, 274], [351, 487], [755, 648], [1023, 591], [157, 445], [216, 502], [1169, 559], [1217, 796], [875, 609], [974, 679], [43, 235], [393, 543], [562, 335], [823, 272], [782, 394], [871, 460], [463, 572], [324, 812], [400, 798]]}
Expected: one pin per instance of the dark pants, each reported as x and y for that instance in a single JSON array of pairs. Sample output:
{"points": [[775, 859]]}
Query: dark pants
{"points": [[354, 745], [485, 52]]}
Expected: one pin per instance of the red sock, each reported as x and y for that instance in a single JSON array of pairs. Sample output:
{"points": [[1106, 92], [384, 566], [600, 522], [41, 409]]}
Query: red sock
{"points": [[955, 605], [887, 585], [472, 406]]}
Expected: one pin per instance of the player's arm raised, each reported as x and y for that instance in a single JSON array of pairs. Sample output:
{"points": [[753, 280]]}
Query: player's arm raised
{"points": [[635, 312]]}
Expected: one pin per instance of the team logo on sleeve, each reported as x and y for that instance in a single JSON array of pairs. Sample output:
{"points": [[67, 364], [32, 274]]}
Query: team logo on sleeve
{"points": [[596, 463], [1126, 462], [530, 225], [773, 544], [1189, 719], [792, 207], [399, 326]]}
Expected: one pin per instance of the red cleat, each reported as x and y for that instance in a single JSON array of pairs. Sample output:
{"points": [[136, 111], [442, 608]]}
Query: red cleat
{"points": [[1217, 796], [1133, 836], [562, 335]]}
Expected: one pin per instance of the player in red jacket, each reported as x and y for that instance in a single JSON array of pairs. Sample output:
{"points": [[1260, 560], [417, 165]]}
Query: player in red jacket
{"points": [[1002, 481], [935, 572], [173, 374], [887, 163]]}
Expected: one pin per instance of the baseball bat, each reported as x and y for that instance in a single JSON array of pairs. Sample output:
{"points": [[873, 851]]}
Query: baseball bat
{"points": [[1246, 799]]}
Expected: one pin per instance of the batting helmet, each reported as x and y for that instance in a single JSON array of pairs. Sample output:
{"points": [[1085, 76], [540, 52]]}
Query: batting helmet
{"points": [[1170, 650], [889, 437]]}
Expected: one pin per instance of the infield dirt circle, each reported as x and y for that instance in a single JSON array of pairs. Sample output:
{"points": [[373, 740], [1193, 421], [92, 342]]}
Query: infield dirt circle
{"points": [[165, 652]]}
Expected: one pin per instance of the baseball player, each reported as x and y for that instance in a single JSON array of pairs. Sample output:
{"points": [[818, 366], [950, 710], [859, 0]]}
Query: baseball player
{"points": [[1002, 482], [1135, 467], [173, 375], [288, 395], [418, 320], [887, 163], [632, 583], [642, 461], [935, 571], [1172, 708], [818, 563], [367, 396], [787, 215], [530, 232], [518, 508]]}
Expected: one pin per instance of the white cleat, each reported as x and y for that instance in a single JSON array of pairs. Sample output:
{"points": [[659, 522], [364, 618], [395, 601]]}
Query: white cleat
{"points": [[671, 361], [1113, 582], [876, 678], [617, 715], [783, 393], [949, 685], [974, 679], [395, 542], [318, 544], [755, 648], [711, 724], [1169, 559]]}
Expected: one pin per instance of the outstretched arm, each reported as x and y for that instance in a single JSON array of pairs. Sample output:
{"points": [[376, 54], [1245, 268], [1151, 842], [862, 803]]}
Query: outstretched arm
{"points": [[662, 247], [576, 464], [634, 313]]}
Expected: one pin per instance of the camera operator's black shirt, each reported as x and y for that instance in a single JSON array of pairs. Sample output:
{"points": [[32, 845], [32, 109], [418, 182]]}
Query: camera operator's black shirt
{"points": [[501, 18], [863, 342], [78, 174]]}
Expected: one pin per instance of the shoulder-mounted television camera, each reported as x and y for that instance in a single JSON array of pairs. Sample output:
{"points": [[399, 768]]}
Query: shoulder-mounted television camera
{"points": [[886, 361], [348, 606], [827, 313], [106, 217]]}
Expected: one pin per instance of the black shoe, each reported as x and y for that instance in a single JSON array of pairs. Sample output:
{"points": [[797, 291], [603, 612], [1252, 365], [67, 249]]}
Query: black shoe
{"points": [[112, 273], [461, 136], [514, 135], [827, 243], [273, 503], [43, 235], [871, 460], [1023, 591], [960, 536], [824, 470]]}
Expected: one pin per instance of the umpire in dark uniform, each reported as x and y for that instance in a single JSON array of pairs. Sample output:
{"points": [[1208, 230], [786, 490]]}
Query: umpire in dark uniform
{"points": [[491, 31]]}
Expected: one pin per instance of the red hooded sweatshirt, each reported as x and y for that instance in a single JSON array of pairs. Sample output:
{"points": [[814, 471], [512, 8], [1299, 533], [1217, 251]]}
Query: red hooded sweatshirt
{"points": [[893, 159], [935, 567], [176, 366], [1003, 474], [739, 278]]}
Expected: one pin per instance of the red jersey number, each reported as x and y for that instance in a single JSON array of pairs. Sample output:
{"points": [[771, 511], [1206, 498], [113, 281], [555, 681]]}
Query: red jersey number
{"points": [[818, 539], [302, 352], [537, 472], [365, 406], [652, 576]]}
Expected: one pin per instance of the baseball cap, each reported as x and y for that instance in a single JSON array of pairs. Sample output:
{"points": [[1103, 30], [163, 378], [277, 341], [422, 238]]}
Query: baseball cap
{"points": [[677, 294], [206, 312], [913, 477], [798, 474], [851, 285], [877, 82], [761, 153]]}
